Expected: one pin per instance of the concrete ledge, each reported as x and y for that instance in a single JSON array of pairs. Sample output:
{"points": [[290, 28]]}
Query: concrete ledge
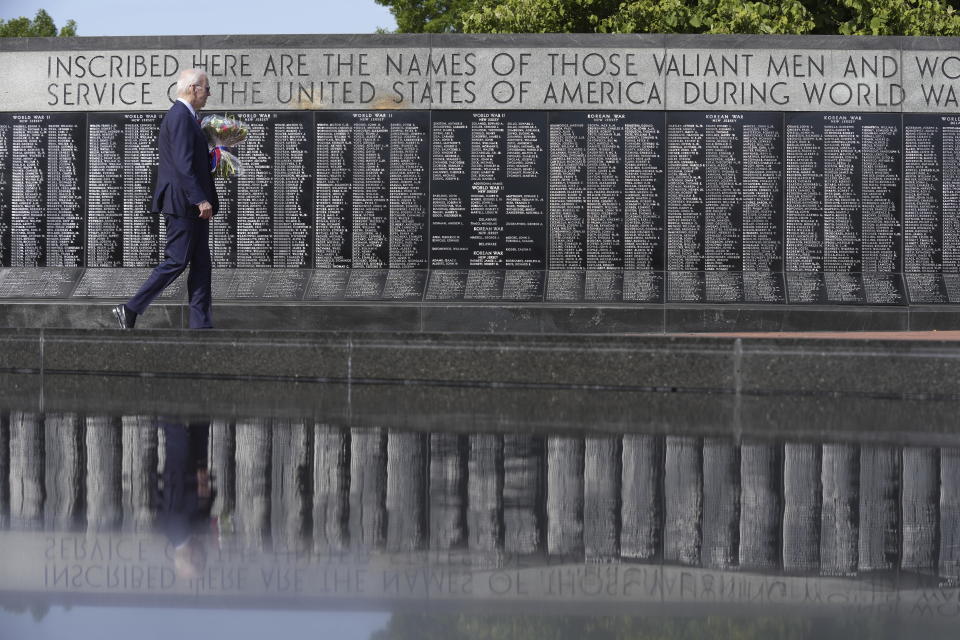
{"points": [[885, 369], [472, 409], [530, 318]]}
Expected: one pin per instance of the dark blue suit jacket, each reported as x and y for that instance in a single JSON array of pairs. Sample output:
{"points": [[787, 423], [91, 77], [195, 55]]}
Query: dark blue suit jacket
{"points": [[183, 179]]}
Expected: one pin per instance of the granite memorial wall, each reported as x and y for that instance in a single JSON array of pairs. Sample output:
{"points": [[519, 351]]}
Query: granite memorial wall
{"points": [[521, 169]]}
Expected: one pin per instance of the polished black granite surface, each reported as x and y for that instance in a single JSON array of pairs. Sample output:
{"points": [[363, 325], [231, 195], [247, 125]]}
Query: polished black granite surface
{"points": [[236, 525]]}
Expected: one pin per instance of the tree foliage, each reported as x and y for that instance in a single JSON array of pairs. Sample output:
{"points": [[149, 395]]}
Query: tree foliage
{"points": [[41, 26], [846, 17], [427, 16]]}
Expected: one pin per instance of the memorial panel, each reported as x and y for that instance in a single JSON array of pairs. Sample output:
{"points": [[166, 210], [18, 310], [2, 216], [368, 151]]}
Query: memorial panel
{"points": [[726, 287], [6, 187], [486, 285], [263, 284], [113, 282], [931, 216], [42, 170], [121, 178], [565, 285], [884, 289], [606, 190], [489, 189], [643, 286], [399, 285], [404, 285], [843, 193], [933, 288], [372, 192], [841, 287], [327, 284], [29, 282], [266, 213], [604, 286], [724, 191]]}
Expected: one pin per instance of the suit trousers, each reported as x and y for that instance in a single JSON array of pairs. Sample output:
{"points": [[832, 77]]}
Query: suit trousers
{"points": [[188, 244]]}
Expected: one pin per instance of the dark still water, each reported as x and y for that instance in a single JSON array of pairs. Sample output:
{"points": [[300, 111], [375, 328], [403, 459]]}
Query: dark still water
{"points": [[151, 526]]}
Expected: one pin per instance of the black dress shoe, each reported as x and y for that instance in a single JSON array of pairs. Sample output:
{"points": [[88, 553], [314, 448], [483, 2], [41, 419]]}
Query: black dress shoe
{"points": [[125, 318]]}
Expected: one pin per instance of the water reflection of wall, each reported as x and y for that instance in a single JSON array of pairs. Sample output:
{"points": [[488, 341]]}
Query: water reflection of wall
{"points": [[795, 507], [139, 472], [65, 467], [4, 471], [104, 471]]}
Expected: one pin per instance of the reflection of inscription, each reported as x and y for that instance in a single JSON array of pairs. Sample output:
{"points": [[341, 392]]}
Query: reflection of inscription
{"points": [[523, 285], [286, 284], [926, 288], [365, 283], [843, 288], [883, 289], [723, 286], [404, 284], [805, 288], [603, 285], [642, 286], [121, 283], [327, 284], [240, 283], [124, 563], [565, 285], [38, 283], [447, 284], [763, 287], [685, 286], [484, 284]]}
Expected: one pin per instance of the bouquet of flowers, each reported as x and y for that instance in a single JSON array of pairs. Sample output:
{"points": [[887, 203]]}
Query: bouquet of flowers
{"points": [[223, 132]]}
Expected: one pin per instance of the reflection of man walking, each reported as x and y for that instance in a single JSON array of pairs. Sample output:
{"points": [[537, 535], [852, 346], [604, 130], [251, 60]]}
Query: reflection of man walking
{"points": [[187, 197], [185, 495]]}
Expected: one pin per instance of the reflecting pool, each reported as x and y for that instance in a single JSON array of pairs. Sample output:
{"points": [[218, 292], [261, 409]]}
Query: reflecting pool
{"points": [[157, 525]]}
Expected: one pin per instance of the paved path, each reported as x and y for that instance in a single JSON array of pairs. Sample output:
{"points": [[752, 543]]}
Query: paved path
{"points": [[835, 335]]}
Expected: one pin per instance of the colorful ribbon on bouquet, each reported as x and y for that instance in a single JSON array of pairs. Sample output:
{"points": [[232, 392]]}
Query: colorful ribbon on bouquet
{"points": [[215, 155]]}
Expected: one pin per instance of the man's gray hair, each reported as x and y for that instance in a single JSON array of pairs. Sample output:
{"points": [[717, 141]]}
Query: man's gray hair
{"points": [[188, 78]]}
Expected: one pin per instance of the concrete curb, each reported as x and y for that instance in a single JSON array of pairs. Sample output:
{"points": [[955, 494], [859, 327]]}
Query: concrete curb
{"points": [[904, 368]]}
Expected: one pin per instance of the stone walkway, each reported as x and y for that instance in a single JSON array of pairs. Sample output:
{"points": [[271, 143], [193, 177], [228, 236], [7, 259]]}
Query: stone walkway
{"points": [[835, 335]]}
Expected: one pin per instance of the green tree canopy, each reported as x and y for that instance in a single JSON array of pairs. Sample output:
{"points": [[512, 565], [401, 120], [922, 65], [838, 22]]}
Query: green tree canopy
{"points": [[41, 26], [846, 17], [427, 16]]}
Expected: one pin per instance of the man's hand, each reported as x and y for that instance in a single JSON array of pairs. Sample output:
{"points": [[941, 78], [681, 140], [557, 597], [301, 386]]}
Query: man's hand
{"points": [[203, 483], [206, 210]]}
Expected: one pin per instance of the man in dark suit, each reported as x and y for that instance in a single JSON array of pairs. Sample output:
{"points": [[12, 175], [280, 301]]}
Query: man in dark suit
{"points": [[187, 198]]}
